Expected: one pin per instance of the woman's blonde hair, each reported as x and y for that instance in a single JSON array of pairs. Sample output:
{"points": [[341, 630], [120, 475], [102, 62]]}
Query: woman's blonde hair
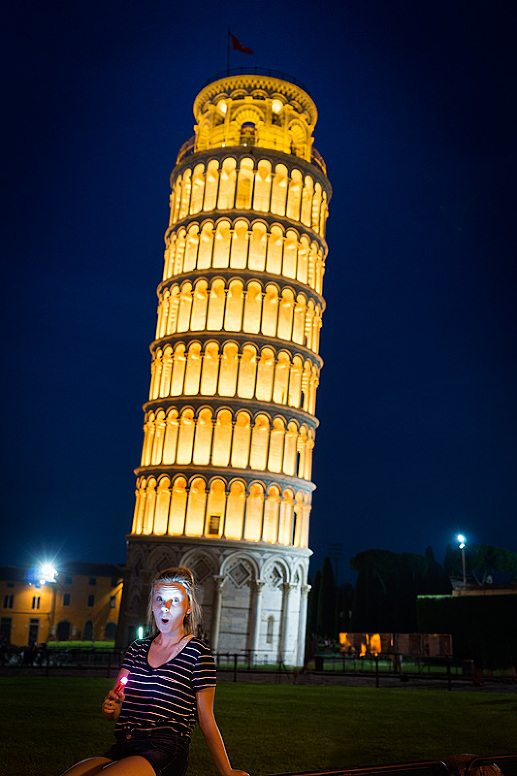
{"points": [[179, 576]]}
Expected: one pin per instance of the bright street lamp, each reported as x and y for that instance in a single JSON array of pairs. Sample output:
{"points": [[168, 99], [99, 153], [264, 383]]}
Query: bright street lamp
{"points": [[462, 544]]}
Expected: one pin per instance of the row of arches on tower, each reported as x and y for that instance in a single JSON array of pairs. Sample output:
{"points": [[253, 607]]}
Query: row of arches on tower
{"points": [[220, 509], [252, 308], [249, 184], [225, 438], [218, 369], [241, 245]]}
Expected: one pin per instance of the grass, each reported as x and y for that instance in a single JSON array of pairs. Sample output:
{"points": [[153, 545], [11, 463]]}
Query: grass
{"points": [[49, 723]]}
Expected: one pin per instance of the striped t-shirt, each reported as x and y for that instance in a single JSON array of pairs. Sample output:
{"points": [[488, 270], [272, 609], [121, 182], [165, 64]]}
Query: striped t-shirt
{"points": [[164, 697]]}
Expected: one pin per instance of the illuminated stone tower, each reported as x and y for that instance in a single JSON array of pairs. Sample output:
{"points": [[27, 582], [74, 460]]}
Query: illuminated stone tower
{"points": [[224, 484]]}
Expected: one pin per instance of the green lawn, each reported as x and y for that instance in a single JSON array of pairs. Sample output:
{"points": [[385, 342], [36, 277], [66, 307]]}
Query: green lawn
{"points": [[49, 723]]}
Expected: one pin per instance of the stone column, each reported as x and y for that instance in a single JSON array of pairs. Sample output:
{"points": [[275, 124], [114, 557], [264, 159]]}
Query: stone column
{"points": [[216, 612], [302, 624], [284, 621], [257, 615]]}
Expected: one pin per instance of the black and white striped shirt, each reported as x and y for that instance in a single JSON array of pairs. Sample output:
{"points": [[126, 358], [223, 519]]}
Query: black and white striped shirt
{"points": [[164, 697]]}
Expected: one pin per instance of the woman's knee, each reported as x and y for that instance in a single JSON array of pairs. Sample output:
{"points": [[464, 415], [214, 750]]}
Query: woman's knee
{"points": [[88, 767]]}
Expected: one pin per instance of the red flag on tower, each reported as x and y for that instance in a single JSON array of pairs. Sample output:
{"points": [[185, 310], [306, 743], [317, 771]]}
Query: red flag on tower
{"points": [[237, 45]]}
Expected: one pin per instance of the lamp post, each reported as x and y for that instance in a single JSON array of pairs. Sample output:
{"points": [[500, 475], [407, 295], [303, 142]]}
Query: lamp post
{"points": [[462, 544]]}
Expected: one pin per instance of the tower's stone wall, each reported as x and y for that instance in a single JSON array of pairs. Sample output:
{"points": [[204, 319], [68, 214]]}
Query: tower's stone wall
{"points": [[224, 483]]}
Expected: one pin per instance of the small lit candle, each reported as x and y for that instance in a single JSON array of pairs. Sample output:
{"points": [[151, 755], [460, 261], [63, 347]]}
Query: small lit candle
{"points": [[120, 684]]}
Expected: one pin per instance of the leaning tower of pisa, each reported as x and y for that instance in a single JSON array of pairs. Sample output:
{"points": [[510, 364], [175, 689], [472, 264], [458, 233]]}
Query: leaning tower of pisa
{"points": [[224, 484]]}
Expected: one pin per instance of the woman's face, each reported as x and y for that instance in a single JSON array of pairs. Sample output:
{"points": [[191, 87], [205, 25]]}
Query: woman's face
{"points": [[170, 605]]}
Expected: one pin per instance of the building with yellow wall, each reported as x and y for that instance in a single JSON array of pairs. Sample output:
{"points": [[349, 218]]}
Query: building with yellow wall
{"points": [[82, 604], [224, 484]]}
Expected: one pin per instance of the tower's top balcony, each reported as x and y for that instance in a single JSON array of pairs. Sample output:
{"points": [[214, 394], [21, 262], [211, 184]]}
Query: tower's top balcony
{"points": [[256, 108]]}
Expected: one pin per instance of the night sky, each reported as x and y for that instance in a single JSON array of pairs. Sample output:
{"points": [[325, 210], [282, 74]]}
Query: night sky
{"points": [[416, 101]]}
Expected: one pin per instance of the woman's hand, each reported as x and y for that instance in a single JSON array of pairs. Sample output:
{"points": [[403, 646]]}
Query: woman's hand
{"points": [[112, 703]]}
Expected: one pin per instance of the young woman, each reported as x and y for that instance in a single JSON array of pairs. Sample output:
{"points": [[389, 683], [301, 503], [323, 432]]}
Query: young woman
{"points": [[170, 682]]}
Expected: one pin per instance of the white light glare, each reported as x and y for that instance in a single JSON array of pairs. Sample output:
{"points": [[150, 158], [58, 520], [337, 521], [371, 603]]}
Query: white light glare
{"points": [[47, 573], [462, 540], [140, 632]]}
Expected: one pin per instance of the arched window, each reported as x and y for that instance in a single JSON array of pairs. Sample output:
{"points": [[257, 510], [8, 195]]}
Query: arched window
{"points": [[252, 308], [177, 200], [316, 205], [259, 443], [191, 248], [283, 364], [210, 369], [290, 441], [198, 188], [241, 441], [156, 372], [163, 498], [222, 239], [168, 265], [244, 184], [203, 438], [150, 499], [212, 180], [185, 193], [178, 507], [234, 306], [215, 508], [262, 186], [148, 439], [294, 195], [271, 509], [254, 510], [290, 254], [204, 259], [228, 370], [235, 511], [222, 438], [159, 433], [216, 306], [178, 371], [265, 375], [285, 314], [174, 303], [247, 372], [286, 518], [199, 306], [295, 382], [165, 380], [274, 250], [196, 508], [270, 311], [307, 194], [279, 191], [186, 437], [258, 245], [185, 307], [171, 437], [239, 255], [227, 184], [193, 371], [180, 251], [138, 518], [276, 446], [247, 133], [303, 259]]}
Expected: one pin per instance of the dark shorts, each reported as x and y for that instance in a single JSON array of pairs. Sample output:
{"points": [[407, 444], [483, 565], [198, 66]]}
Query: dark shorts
{"points": [[167, 752]]}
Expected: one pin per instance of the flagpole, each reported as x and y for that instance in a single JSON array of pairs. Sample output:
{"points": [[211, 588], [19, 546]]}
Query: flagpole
{"points": [[228, 51]]}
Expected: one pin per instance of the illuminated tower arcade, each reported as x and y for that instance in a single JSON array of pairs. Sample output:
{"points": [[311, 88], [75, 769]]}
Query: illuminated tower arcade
{"points": [[224, 484]]}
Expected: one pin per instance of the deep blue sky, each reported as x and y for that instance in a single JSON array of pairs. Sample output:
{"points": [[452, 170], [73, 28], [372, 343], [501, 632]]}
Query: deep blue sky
{"points": [[416, 122]]}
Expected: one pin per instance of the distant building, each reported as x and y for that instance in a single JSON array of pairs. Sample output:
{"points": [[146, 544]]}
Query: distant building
{"points": [[81, 605], [224, 484]]}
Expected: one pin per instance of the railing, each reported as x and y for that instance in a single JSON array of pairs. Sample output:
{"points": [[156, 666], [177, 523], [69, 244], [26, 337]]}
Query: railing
{"points": [[256, 71], [188, 148]]}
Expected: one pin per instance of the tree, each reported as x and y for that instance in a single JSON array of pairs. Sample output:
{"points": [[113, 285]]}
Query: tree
{"points": [[327, 599]]}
